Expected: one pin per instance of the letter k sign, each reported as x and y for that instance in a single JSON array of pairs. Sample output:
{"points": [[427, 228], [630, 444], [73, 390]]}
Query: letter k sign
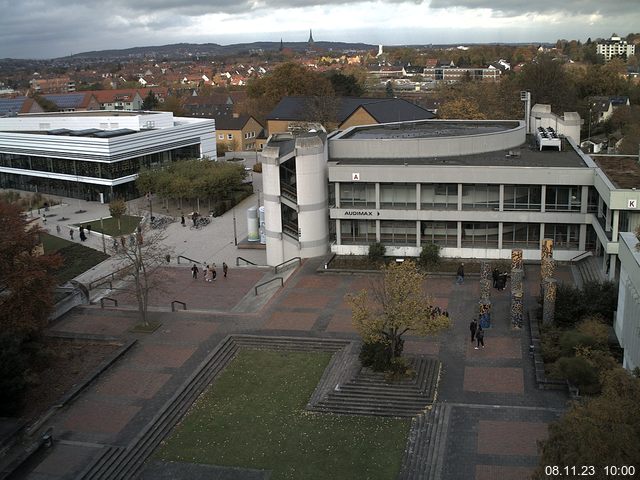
{"points": [[632, 203]]}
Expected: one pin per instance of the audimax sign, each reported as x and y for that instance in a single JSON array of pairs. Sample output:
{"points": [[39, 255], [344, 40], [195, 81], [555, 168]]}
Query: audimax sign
{"points": [[361, 213]]}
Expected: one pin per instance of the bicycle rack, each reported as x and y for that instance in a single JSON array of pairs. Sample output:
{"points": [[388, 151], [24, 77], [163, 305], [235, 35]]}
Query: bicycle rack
{"points": [[173, 305], [115, 302]]}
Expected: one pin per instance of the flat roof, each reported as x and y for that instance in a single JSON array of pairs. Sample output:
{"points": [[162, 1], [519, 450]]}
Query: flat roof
{"points": [[623, 171], [526, 155], [92, 113], [429, 129]]}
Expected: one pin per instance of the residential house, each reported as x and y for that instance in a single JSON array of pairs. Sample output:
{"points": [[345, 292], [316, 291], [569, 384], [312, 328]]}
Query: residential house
{"points": [[601, 108], [122, 99], [52, 85], [346, 111], [73, 102], [238, 132], [13, 106]]}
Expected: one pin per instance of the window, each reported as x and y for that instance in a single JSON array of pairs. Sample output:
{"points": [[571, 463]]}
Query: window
{"points": [[398, 195], [522, 197], [480, 235], [561, 198], [565, 237], [480, 197], [443, 196], [521, 235], [221, 136], [394, 232], [229, 136], [444, 234], [357, 195], [357, 232]]}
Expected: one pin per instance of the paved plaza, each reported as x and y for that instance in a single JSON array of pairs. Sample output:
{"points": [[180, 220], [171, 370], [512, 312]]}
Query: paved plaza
{"points": [[497, 413]]}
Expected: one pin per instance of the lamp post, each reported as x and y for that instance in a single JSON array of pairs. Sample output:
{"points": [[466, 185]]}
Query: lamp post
{"points": [[589, 138], [235, 233], [150, 206], [104, 247]]}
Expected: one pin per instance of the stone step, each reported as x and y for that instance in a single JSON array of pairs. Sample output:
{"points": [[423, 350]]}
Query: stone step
{"points": [[368, 411], [436, 444], [413, 449], [381, 393]]}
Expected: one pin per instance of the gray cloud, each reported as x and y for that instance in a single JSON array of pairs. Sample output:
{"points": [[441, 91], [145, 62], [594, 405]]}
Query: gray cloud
{"points": [[47, 28]]}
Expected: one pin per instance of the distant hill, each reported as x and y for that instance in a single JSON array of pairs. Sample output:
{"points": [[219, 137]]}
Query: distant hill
{"points": [[207, 49]]}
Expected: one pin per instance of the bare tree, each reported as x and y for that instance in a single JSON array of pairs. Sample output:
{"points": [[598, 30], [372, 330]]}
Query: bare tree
{"points": [[144, 253]]}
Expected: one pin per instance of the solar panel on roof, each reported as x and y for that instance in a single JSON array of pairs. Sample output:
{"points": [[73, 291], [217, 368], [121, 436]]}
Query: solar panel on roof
{"points": [[9, 105], [69, 100]]}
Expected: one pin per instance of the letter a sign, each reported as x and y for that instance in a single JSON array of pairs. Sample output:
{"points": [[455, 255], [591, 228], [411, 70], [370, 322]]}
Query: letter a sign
{"points": [[632, 203], [355, 177]]}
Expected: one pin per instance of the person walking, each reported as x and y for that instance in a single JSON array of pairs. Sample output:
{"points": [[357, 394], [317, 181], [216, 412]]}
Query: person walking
{"points": [[214, 273], [205, 273], [480, 337], [460, 275], [182, 220], [123, 242], [225, 269], [496, 276], [194, 272], [71, 233], [473, 327], [83, 237], [88, 229], [58, 229], [115, 244]]}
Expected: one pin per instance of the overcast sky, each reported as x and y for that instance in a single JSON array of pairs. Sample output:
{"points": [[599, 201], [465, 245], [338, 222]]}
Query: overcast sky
{"points": [[54, 28]]}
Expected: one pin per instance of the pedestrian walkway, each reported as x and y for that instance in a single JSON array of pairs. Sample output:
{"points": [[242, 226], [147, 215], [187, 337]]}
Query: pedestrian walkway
{"points": [[486, 421]]}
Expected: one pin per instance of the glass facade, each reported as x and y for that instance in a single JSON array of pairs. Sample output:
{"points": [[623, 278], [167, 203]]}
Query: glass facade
{"points": [[521, 235], [523, 197], [561, 198], [357, 232], [398, 232], [480, 235], [357, 195], [444, 234], [398, 195], [439, 196], [480, 197], [565, 237]]}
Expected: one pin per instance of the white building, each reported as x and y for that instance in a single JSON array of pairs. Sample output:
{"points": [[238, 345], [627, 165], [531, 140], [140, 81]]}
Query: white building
{"points": [[615, 47], [475, 188], [627, 322], [96, 155]]}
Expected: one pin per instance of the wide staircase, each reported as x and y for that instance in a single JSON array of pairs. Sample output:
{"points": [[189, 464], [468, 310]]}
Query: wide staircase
{"points": [[588, 269]]}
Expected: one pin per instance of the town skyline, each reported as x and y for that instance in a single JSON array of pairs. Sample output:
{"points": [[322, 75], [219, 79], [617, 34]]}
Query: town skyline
{"points": [[62, 33]]}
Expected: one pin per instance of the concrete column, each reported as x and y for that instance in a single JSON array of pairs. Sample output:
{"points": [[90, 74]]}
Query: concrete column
{"points": [[615, 223], [541, 235], [582, 239], [549, 301], [459, 235], [337, 193], [377, 230], [501, 204], [419, 235], [338, 232], [500, 231], [584, 199], [543, 200], [418, 196], [459, 197], [607, 221], [612, 267], [378, 202]]}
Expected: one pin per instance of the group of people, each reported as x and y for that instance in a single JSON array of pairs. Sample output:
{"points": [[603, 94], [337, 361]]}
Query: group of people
{"points": [[477, 333], [83, 229], [209, 273], [436, 311]]}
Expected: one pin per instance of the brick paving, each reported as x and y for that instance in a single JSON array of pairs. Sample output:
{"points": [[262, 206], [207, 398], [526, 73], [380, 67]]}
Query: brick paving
{"points": [[497, 411]]}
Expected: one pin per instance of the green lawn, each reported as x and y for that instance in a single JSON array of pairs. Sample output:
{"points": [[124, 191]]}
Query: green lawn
{"points": [[253, 417], [77, 258], [128, 224]]}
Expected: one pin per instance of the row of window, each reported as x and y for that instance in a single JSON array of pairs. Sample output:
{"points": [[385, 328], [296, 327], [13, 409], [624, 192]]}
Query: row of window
{"points": [[445, 234], [247, 135], [444, 196], [83, 168]]}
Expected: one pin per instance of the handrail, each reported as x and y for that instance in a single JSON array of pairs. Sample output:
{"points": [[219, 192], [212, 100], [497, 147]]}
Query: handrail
{"points": [[588, 253], [111, 276], [173, 305], [244, 260], [298, 259], [115, 302], [191, 260], [268, 282], [328, 262]]}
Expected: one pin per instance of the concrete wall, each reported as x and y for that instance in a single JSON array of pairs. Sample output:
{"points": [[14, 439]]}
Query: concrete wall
{"points": [[627, 322], [567, 125]]}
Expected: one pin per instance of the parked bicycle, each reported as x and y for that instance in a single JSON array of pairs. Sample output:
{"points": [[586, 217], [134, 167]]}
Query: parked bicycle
{"points": [[161, 222], [200, 222]]}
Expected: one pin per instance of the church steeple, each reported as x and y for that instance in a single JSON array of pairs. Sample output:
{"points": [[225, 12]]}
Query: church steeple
{"points": [[310, 41], [281, 46]]}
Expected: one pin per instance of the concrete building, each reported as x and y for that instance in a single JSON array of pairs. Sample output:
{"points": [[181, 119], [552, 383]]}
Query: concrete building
{"points": [[615, 47], [475, 188], [627, 321], [95, 155]]}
